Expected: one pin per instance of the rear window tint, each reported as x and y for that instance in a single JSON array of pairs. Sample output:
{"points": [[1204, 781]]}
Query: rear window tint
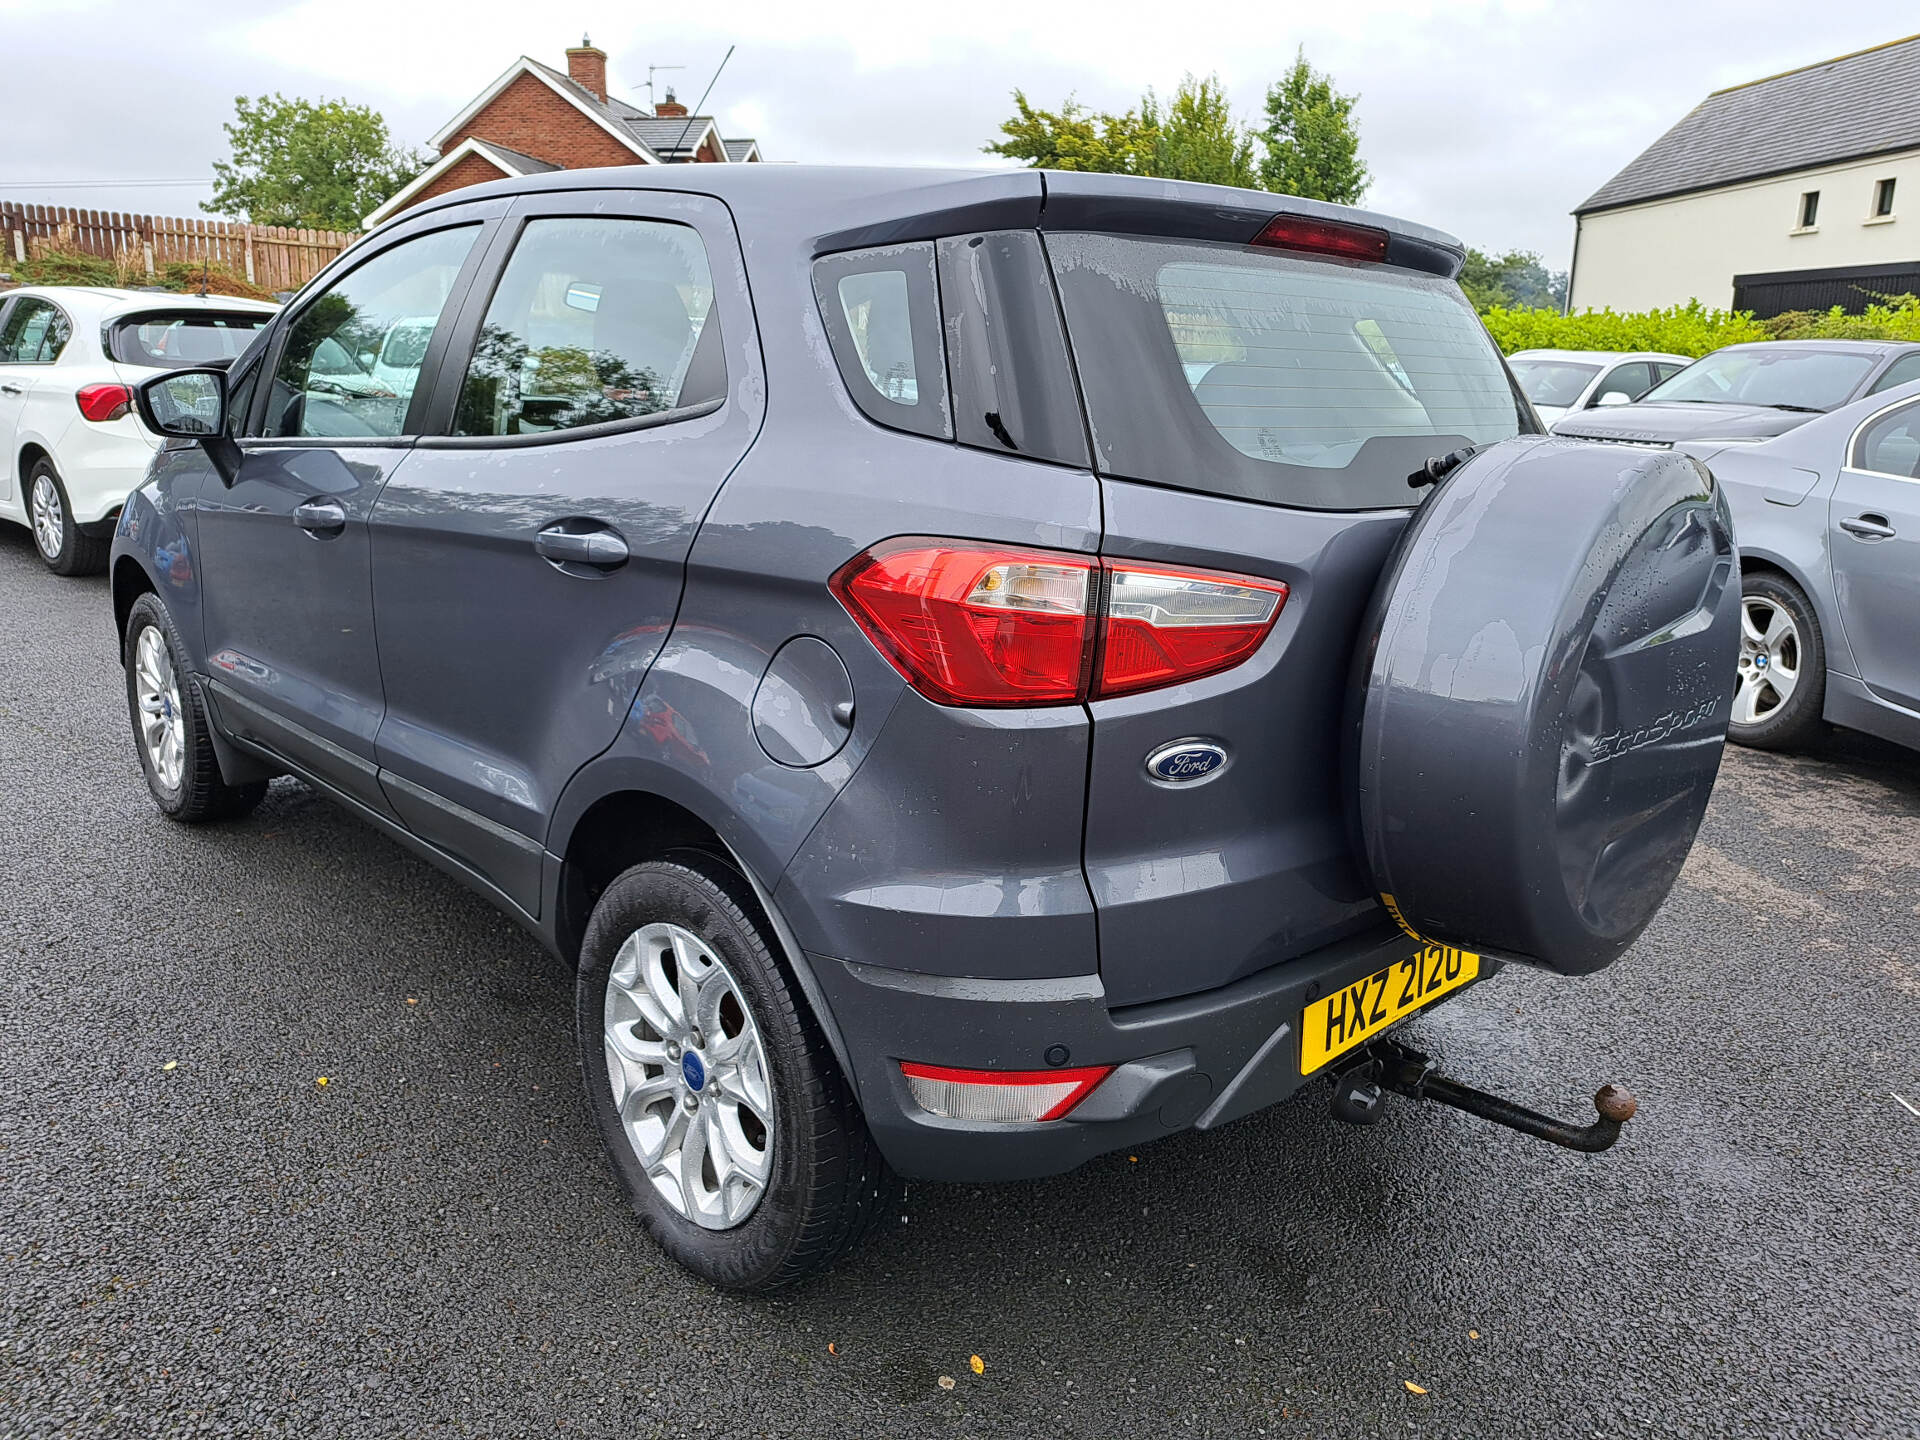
{"points": [[1266, 376], [200, 337], [882, 313]]}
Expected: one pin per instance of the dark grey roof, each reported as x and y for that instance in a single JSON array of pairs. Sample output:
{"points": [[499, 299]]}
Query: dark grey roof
{"points": [[737, 149], [529, 165], [1862, 104]]}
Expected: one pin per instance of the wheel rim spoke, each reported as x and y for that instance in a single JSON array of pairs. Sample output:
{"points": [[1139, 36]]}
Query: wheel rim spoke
{"points": [[688, 1075]]}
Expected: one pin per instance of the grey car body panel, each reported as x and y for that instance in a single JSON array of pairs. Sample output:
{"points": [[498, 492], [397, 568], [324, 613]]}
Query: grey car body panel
{"points": [[1789, 497], [506, 672], [1256, 857], [937, 877]]}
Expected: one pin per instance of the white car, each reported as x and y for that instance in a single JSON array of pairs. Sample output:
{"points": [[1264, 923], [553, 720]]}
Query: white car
{"points": [[71, 446], [1558, 382]]}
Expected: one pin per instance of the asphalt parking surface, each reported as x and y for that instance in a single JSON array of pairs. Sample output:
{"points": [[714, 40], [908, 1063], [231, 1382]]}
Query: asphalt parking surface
{"points": [[197, 1237]]}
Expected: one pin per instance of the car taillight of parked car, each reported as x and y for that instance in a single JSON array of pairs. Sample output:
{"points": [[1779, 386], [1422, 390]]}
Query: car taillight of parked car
{"points": [[969, 623], [101, 403]]}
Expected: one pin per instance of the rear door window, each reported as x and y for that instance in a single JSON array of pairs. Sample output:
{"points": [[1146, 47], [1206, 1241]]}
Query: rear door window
{"points": [[36, 332], [165, 341], [882, 314], [595, 321], [1273, 377]]}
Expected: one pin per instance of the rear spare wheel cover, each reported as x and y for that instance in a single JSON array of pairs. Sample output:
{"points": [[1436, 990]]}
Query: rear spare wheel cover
{"points": [[1544, 698]]}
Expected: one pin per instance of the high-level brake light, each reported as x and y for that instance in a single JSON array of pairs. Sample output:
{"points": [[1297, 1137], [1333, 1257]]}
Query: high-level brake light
{"points": [[1324, 237], [1005, 1096], [975, 624]]}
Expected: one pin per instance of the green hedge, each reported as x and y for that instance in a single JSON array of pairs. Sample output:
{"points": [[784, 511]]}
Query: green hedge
{"points": [[1692, 329]]}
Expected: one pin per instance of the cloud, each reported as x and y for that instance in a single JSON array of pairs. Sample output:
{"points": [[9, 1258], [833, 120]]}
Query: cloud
{"points": [[1489, 118]]}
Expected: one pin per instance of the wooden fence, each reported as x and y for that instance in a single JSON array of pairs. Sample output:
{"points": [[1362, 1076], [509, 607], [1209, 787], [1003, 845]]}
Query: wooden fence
{"points": [[273, 257]]}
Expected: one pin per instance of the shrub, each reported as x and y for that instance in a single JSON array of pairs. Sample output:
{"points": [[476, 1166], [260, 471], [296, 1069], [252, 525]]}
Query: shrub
{"points": [[1892, 317], [49, 265], [188, 277], [1690, 329]]}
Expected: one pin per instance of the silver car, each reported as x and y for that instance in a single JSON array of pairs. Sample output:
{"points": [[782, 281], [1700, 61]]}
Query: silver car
{"points": [[1828, 520]]}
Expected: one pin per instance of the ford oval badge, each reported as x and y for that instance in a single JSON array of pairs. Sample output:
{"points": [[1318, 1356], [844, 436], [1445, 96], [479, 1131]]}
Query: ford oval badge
{"points": [[1186, 760]]}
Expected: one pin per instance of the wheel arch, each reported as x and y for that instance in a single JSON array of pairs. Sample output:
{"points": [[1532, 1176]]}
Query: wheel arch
{"points": [[129, 581], [32, 452], [629, 823], [1763, 560]]}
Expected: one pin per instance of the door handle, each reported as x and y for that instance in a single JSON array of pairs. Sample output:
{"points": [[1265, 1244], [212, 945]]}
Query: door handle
{"points": [[320, 517], [11, 389], [1869, 527], [602, 547]]}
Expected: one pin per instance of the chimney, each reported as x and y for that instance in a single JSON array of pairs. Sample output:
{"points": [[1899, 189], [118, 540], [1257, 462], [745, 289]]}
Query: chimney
{"points": [[587, 68], [669, 106]]}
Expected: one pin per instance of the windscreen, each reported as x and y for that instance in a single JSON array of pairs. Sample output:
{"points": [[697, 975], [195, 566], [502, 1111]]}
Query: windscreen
{"points": [[1553, 382], [1785, 379], [1268, 376], [199, 337]]}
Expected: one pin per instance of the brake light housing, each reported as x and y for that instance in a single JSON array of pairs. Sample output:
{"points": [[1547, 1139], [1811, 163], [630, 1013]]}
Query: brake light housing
{"points": [[1007, 1097], [103, 402], [1324, 237], [975, 624]]}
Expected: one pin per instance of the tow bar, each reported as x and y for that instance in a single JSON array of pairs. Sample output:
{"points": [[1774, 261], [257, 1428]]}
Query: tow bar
{"points": [[1385, 1065]]}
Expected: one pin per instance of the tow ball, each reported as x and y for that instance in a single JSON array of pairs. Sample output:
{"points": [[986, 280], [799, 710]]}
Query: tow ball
{"points": [[1359, 1092]]}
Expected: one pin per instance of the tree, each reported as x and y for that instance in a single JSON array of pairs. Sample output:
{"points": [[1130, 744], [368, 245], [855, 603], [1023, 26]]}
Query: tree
{"points": [[1313, 147], [1191, 137], [1075, 138], [1515, 280], [316, 165], [1310, 145], [1197, 138]]}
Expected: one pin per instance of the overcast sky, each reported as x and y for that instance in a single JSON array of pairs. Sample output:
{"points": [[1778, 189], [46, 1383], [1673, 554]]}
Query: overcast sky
{"points": [[1489, 118]]}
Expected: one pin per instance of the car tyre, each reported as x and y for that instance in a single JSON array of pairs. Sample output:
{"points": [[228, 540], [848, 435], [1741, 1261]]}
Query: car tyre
{"points": [[1780, 640], [763, 1205], [62, 545], [171, 731]]}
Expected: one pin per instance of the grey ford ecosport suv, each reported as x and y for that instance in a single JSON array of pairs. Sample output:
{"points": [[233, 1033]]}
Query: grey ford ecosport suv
{"points": [[969, 670]]}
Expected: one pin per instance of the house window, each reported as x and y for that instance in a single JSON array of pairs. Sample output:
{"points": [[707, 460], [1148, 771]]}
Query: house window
{"points": [[1883, 198], [1809, 209]]}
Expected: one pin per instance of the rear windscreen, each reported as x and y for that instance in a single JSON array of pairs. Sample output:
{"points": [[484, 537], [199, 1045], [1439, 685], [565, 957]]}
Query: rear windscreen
{"points": [[1266, 376], [199, 337]]}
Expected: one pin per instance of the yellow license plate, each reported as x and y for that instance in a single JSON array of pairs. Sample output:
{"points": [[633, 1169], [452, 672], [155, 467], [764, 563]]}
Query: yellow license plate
{"points": [[1356, 1013]]}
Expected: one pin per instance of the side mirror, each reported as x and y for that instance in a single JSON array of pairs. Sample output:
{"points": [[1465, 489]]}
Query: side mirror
{"points": [[191, 405], [1615, 397]]}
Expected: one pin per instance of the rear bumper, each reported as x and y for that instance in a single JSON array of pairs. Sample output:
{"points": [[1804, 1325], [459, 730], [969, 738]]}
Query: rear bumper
{"points": [[1192, 1063]]}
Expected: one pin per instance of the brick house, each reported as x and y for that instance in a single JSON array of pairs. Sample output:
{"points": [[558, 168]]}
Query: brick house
{"points": [[534, 118]]}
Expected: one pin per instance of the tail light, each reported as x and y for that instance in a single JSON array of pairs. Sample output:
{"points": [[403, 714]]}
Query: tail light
{"points": [[1324, 237], [974, 624], [1165, 626], [1006, 1096], [101, 403]]}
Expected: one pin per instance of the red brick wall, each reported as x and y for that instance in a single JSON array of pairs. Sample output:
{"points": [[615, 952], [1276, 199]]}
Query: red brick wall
{"points": [[529, 117], [468, 170]]}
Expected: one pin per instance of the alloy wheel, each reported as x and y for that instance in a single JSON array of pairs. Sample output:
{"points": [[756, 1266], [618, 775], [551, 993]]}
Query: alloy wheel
{"points": [[163, 729], [689, 1076], [1769, 669], [49, 516]]}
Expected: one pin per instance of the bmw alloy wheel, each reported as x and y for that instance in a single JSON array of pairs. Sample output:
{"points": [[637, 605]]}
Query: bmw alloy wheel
{"points": [[162, 728], [49, 516], [1769, 660], [689, 1076]]}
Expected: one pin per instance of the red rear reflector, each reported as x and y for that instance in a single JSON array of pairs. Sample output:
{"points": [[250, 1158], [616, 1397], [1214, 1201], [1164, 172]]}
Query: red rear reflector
{"points": [[1164, 626], [101, 403], [1324, 237], [1007, 1096], [974, 624]]}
